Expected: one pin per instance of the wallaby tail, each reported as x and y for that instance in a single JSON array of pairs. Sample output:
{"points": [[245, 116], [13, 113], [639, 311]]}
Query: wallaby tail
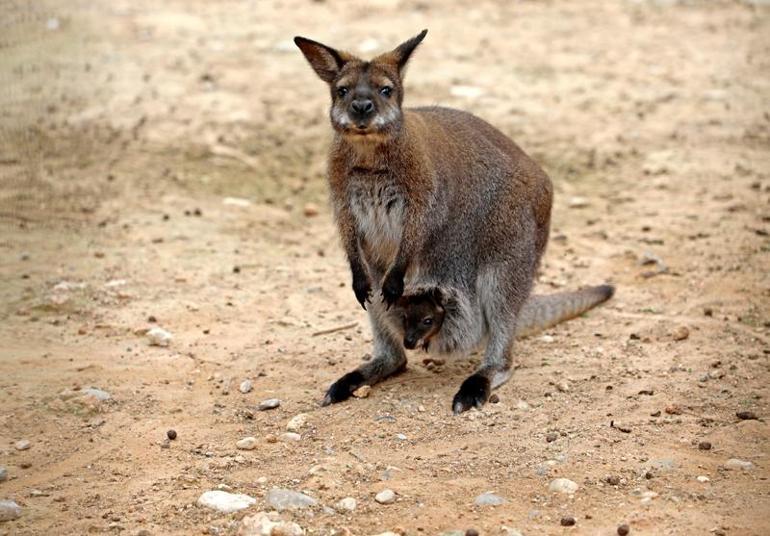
{"points": [[542, 312]]}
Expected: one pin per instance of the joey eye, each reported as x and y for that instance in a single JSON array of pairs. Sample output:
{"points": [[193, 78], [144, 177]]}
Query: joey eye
{"points": [[342, 91], [427, 321], [386, 91]]}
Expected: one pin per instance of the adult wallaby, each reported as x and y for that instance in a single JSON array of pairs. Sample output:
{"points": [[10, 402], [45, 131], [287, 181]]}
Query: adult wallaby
{"points": [[428, 193], [443, 320]]}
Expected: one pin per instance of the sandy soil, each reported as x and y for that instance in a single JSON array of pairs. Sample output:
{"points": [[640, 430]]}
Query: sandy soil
{"points": [[125, 125]]}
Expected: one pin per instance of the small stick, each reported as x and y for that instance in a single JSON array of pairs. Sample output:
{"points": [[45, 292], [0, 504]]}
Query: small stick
{"points": [[332, 330]]}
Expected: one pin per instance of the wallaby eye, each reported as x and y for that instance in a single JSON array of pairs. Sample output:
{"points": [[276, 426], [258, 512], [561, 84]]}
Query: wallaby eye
{"points": [[427, 321], [386, 91], [342, 91]]}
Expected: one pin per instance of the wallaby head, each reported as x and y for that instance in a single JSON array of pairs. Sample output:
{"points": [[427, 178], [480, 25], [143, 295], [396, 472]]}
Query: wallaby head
{"points": [[422, 315], [366, 95]]}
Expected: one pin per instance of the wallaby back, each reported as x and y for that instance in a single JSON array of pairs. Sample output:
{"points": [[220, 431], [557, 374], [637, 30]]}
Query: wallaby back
{"points": [[543, 312]]}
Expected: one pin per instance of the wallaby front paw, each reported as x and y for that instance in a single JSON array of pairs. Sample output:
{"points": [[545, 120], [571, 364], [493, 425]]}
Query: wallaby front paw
{"points": [[392, 287], [362, 289], [473, 393], [343, 388]]}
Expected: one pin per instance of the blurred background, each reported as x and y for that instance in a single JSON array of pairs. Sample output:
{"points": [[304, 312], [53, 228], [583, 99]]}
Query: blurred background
{"points": [[162, 165]]}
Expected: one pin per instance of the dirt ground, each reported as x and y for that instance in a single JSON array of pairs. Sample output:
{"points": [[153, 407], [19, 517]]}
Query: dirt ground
{"points": [[162, 164]]}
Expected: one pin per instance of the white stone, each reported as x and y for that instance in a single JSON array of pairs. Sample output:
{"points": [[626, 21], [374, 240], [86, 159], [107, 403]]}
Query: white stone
{"points": [[9, 510], [734, 463], [236, 202], [508, 531], [297, 422], [247, 443], [563, 485], [96, 393], [290, 436], [245, 386], [348, 503], [3, 474], [578, 202], [225, 502], [522, 405], [23, 444], [159, 336], [703, 479], [386, 496]]}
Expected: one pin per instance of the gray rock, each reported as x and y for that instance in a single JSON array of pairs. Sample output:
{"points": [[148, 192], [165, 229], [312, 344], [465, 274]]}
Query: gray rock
{"points": [[9, 510], [386, 496], [3, 474], [245, 386], [664, 465], [286, 499], [270, 403], [489, 499], [735, 463], [23, 444], [225, 502], [563, 485]]}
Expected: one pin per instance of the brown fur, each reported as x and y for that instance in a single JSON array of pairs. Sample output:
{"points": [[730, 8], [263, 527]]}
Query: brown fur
{"points": [[430, 195]]}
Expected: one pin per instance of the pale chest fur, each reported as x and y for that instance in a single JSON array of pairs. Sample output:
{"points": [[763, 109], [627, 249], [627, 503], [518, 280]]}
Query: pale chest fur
{"points": [[378, 207]]}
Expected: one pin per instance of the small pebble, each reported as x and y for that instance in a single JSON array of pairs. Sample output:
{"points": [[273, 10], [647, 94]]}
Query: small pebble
{"points": [[623, 530], [673, 409], [681, 333], [270, 403], [363, 391], [245, 386], [489, 499], [3, 474], [704, 445], [348, 504], [23, 444], [171, 434], [247, 443], [386, 496], [567, 521], [746, 415], [290, 436], [550, 437], [612, 480], [494, 399], [471, 532], [297, 422], [159, 336], [703, 479], [563, 485], [310, 210], [735, 463], [286, 499]]}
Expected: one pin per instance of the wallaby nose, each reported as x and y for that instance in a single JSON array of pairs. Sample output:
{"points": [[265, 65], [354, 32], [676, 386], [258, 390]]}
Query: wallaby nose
{"points": [[362, 107]]}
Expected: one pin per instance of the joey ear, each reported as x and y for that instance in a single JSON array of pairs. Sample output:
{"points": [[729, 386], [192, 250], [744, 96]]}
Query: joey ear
{"points": [[325, 61], [437, 295], [401, 54]]}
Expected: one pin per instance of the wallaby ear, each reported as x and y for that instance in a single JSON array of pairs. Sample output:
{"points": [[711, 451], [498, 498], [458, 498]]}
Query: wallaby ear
{"points": [[325, 61], [401, 54]]}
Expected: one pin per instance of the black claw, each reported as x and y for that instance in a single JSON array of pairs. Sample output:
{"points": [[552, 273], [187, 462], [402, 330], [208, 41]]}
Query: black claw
{"points": [[343, 388], [362, 290], [473, 393]]}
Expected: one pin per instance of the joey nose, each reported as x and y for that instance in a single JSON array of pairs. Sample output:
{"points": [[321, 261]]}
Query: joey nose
{"points": [[410, 343], [362, 107]]}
